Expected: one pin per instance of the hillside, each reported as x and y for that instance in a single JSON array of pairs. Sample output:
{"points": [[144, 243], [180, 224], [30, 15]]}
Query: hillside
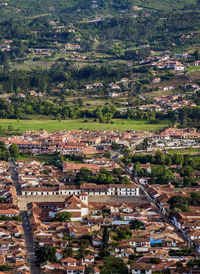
{"points": [[169, 4], [30, 8]]}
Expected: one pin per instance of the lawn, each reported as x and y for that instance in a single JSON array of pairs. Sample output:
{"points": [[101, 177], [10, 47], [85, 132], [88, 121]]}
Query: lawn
{"points": [[54, 125], [43, 158], [193, 68], [184, 151]]}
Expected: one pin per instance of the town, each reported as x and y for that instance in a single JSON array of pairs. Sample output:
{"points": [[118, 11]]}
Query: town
{"points": [[100, 137], [84, 201]]}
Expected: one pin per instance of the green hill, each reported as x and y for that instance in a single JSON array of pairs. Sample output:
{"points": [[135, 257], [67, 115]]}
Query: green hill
{"points": [[28, 8], [169, 4]]}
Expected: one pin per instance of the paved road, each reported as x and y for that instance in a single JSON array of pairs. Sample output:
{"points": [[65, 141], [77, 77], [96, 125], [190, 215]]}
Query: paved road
{"points": [[14, 176], [30, 245], [28, 236]]}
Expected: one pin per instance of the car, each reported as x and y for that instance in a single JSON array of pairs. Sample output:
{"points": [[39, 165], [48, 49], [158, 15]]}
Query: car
{"points": [[27, 228], [37, 263], [27, 223]]}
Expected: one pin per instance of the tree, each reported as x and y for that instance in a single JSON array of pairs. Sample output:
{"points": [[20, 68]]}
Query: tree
{"points": [[14, 151], [5, 61], [67, 252], [105, 238], [178, 203], [194, 263], [115, 146], [114, 265], [59, 117], [154, 260], [159, 158], [62, 216], [3, 152], [46, 253], [196, 55], [125, 180], [145, 143], [83, 175], [136, 224], [5, 267], [187, 170], [136, 168]]}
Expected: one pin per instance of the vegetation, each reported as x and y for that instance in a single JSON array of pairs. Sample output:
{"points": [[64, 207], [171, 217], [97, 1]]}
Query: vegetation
{"points": [[116, 176], [5, 267], [17, 218], [46, 253], [54, 125], [3, 200], [14, 151], [114, 265], [123, 234], [178, 203], [163, 164], [193, 263], [62, 216], [136, 224], [119, 35], [184, 251], [4, 154]]}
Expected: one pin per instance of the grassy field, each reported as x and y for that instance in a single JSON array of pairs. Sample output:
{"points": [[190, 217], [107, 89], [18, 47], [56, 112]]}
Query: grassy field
{"points": [[194, 75], [184, 151], [42, 158], [54, 125], [193, 68]]}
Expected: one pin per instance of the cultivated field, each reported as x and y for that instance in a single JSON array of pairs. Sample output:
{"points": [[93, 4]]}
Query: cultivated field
{"points": [[55, 125]]}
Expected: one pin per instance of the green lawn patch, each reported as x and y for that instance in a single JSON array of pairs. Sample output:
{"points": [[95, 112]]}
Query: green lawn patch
{"points": [[42, 158], [193, 68], [54, 125], [184, 151]]}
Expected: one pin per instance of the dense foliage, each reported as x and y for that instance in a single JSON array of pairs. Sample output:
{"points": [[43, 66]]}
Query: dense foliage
{"points": [[113, 265], [178, 203], [62, 217], [116, 176], [46, 253]]}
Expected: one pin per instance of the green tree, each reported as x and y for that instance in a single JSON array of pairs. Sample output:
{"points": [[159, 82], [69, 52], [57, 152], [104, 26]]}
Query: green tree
{"points": [[105, 238], [46, 253], [178, 203], [5, 267], [83, 175], [14, 151], [136, 224], [113, 265], [3, 152], [145, 143], [62, 216], [67, 252]]}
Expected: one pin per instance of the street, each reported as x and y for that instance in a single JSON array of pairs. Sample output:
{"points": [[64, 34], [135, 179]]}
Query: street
{"points": [[30, 245], [28, 236]]}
